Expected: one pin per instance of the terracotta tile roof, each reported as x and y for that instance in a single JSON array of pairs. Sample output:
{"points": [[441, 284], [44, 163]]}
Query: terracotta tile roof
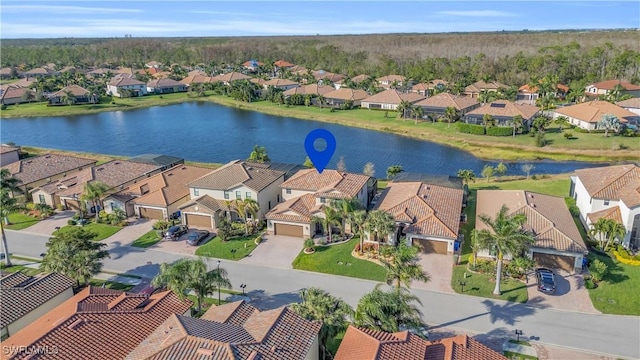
{"points": [[612, 213], [252, 63], [279, 82], [326, 75], [21, 294], [444, 100], [197, 72], [229, 77], [506, 108], [610, 84], [235, 313], [613, 183], [278, 334], [429, 209], [525, 88], [547, 217], [359, 78], [14, 93], [233, 174], [39, 71], [163, 82], [347, 94], [124, 70], [592, 111], [364, 344], [311, 89], [98, 324], [429, 86], [299, 210], [282, 63], [331, 183], [630, 103], [297, 69], [206, 204], [22, 83], [125, 81], [258, 81], [7, 149], [6, 71], [391, 78], [393, 96], [74, 89], [478, 86], [41, 167], [196, 79]]}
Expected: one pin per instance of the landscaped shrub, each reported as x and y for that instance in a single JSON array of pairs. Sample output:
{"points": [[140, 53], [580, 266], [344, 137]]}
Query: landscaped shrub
{"points": [[71, 222], [573, 208], [471, 129], [499, 131], [588, 283], [540, 140], [568, 135], [598, 270], [59, 207], [237, 229], [624, 257], [486, 267], [76, 216]]}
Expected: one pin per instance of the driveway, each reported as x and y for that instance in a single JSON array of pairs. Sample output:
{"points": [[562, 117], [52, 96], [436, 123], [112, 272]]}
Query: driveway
{"points": [[179, 246], [570, 294], [440, 269], [131, 232], [48, 225], [276, 251]]}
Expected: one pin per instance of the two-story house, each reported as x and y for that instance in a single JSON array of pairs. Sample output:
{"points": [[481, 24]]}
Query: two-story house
{"points": [[608, 86], [136, 88]]}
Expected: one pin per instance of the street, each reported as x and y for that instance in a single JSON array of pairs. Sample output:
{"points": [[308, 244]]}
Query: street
{"points": [[272, 287]]}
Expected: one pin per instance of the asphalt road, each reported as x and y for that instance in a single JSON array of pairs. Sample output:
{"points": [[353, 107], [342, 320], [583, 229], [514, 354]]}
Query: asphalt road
{"points": [[271, 287]]}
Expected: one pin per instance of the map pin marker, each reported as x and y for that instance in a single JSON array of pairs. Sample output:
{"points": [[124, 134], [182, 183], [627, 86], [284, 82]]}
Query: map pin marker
{"points": [[320, 159]]}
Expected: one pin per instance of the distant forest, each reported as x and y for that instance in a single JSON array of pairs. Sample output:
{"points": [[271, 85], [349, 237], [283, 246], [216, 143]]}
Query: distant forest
{"points": [[513, 58]]}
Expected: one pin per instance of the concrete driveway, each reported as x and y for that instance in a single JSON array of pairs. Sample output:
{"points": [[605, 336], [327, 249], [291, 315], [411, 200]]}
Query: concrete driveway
{"points": [[276, 251], [48, 225], [131, 232], [440, 268], [180, 246], [570, 294]]}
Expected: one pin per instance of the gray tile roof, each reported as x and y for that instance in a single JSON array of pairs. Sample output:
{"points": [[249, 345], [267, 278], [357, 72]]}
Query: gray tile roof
{"points": [[41, 167], [235, 173]]}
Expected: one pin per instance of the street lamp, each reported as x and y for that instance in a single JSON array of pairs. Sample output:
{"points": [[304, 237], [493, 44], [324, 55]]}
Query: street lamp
{"points": [[218, 283], [518, 334], [75, 197], [242, 286]]}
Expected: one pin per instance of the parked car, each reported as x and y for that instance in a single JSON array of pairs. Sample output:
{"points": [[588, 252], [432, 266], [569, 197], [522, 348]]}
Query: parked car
{"points": [[175, 232], [546, 280], [197, 237]]}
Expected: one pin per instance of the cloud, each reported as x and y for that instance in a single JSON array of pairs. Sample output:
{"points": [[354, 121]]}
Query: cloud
{"points": [[60, 9], [477, 13]]}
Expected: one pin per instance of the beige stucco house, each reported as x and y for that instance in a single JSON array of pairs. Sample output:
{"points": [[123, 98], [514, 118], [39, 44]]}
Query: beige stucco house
{"points": [[587, 115], [389, 100]]}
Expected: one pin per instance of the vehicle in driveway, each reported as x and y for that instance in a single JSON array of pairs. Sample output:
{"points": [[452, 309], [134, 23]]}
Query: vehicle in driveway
{"points": [[546, 280], [195, 238], [175, 232]]}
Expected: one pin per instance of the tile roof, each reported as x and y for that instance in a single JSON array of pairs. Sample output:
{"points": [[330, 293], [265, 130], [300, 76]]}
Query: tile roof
{"points": [[197, 72], [592, 111], [430, 210], [125, 81], [7, 149], [98, 323], [38, 71], [478, 86], [299, 210], [252, 63], [74, 89], [229, 77], [41, 167], [22, 83], [278, 334], [347, 94], [14, 93], [393, 96], [196, 79], [359, 78], [391, 78], [613, 183], [326, 75], [100, 71], [331, 183], [163, 82], [236, 173], [365, 344], [21, 294], [630, 103], [547, 217], [207, 202], [279, 82], [610, 84], [506, 108], [282, 63], [311, 89], [444, 100], [612, 213], [525, 88]]}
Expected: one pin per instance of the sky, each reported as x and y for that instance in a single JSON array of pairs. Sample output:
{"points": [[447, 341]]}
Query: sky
{"points": [[159, 18]]}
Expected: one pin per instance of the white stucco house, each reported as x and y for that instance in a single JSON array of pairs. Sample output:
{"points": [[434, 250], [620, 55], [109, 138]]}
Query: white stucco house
{"points": [[587, 115], [117, 84]]}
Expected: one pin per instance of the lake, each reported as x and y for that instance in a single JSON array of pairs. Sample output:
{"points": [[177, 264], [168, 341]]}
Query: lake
{"points": [[207, 132]]}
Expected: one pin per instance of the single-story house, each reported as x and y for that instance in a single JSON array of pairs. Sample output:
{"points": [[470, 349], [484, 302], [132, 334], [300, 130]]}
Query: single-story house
{"points": [[118, 84], [389, 99], [311, 89], [17, 95], [197, 72], [162, 161], [327, 76], [389, 80], [558, 243], [8, 73], [439, 103], [427, 89], [228, 78], [80, 96], [337, 98], [284, 84], [40, 72], [587, 115], [354, 80], [503, 111], [605, 87], [474, 90], [165, 86], [153, 64], [252, 65], [632, 105], [282, 64], [100, 72], [196, 79], [612, 192], [9, 154], [527, 95], [125, 71]]}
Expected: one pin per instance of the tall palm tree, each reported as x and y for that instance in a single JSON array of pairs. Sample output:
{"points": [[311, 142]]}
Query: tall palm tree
{"points": [[417, 112], [389, 311], [506, 235], [333, 312], [259, 154], [9, 182], [517, 122], [380, 223], [8, 205], [359, 218], [229, 205], [331, 217], [403, 109], [488, 120], [245, 208], [94, 191], [466, 175], [346, 207], [401, 264], [451, 114], [606, 231]]}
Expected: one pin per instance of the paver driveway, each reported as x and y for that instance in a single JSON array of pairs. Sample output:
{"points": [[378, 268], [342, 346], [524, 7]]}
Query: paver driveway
{"points": [[440, 269], [131, 232], [275, 250], [570, 294], [48, 225]]}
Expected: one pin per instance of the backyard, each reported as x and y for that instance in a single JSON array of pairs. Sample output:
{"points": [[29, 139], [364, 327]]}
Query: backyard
{"points": [[243, 246], [19, 221]]}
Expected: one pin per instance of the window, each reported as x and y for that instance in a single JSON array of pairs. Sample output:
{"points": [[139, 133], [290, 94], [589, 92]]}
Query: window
{"points": [[606, 202], [323, 200], [247, 195], [226, 194], [41, 199], [288, 191], [238, 194], [196, 192], [113, 206], [278, 198]]}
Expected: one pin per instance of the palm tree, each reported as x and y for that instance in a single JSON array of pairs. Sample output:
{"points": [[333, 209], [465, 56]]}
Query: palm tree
{"points": [[245, 208], [359, 218], [229, 205], [475, 246], [451, 114], [380, 223], [403, 108], [68, 98], [506, 235], [346, 207], [466, 175], [488, 120], [94, 191], [389, 311], [562, 121], [8, 205], [487, 172], [331, 217], [393, 171], [517, 122], [607, 229], [186, 275], [259, 154], [401, 264], [333, 312], [417, 112]]}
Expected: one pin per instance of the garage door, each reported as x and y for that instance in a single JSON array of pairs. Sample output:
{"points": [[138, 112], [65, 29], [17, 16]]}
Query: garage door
{"points": [[147, 213], [72, 205], [554, 261], [288, 230], [432, 246], [198, 220]]}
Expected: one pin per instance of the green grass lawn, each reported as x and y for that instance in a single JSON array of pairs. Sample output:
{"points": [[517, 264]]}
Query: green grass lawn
{"points": [[25, 270], [618, 292], [103, 230], [20, 221], [482, 285], [243, 245], [146, 240], [110, 285], [327, 260]]}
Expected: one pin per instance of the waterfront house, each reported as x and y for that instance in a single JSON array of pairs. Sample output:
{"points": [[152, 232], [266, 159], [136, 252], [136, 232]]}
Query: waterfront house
{"points": [[587, 115], [73, 95], [16, 95], [474, 90], [195, 79], [607, 86], [340, 97], [503, 112], [438, 104], [389, 100], [310, 89], [9, 154], [118, 85], [429, 88], [526, 95], [165, 86]]}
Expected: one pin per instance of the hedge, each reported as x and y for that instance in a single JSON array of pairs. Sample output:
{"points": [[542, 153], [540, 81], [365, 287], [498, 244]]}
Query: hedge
{"points": [[499, 131], [471, 129]]}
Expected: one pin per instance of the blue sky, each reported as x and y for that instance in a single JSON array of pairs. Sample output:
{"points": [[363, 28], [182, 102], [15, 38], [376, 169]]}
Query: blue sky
{"points": [[46, 19]]}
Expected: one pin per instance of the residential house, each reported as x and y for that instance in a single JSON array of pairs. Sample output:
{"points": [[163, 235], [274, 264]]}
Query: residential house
{"points": [[428, 215], [97, 323], [100, 72], [526, 95], [607, 86], [79, 96], [298, 70], [338, 98], [158, 196], [438, 104], [236, 180], [354, 81], [282, 64], [389, 100], [196, 79], [391, 81], [118, 84], [17, 95], [284, 84], [197, 72], [9, 154], [252, 65], [558, 243], [235, 330], [307, 192], [162, 161], [587, 115], [311, 89], [632, 105], [125, 71], [153, 65], [228, 78], [429, 88], [36, 171], [327, 76], [20, 83], [25, 298], [116, 174], [40, 72], [503, 112], [474, 90], [366, 344], [6, 73], [165, 86], [612, 192]]}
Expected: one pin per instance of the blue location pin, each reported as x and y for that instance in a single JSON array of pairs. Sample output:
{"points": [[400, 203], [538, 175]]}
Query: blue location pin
{"points": [[320, 159]]}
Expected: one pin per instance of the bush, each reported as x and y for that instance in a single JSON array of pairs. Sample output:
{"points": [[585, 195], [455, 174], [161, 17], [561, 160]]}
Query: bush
{"points": [[76, 216], [59, 207], [486, 267], [598, 270], [540, 140], [30, 206], [3, 107], [624, 257], [71, 222], [573, 208], [568, 135], [499, 131], [308, 243], [589, 284], [237, 229], [471, 129]]}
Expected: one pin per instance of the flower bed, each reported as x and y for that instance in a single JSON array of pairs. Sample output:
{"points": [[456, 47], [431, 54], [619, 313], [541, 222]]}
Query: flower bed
{"points": [[624, 257], [336, 239]]}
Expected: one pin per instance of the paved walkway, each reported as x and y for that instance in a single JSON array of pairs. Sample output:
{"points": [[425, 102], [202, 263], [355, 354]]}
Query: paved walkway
{"points": [[48, 225], [275, 250], [131, 232]]}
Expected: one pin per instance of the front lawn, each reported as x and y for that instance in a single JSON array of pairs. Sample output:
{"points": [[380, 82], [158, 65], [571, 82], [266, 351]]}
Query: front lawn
{"points": [[24, 269], [477, 284], [19, 221], [146, 240], [243, 245], [103, 230], [616, 294], [110, 285], [337, 260]]}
